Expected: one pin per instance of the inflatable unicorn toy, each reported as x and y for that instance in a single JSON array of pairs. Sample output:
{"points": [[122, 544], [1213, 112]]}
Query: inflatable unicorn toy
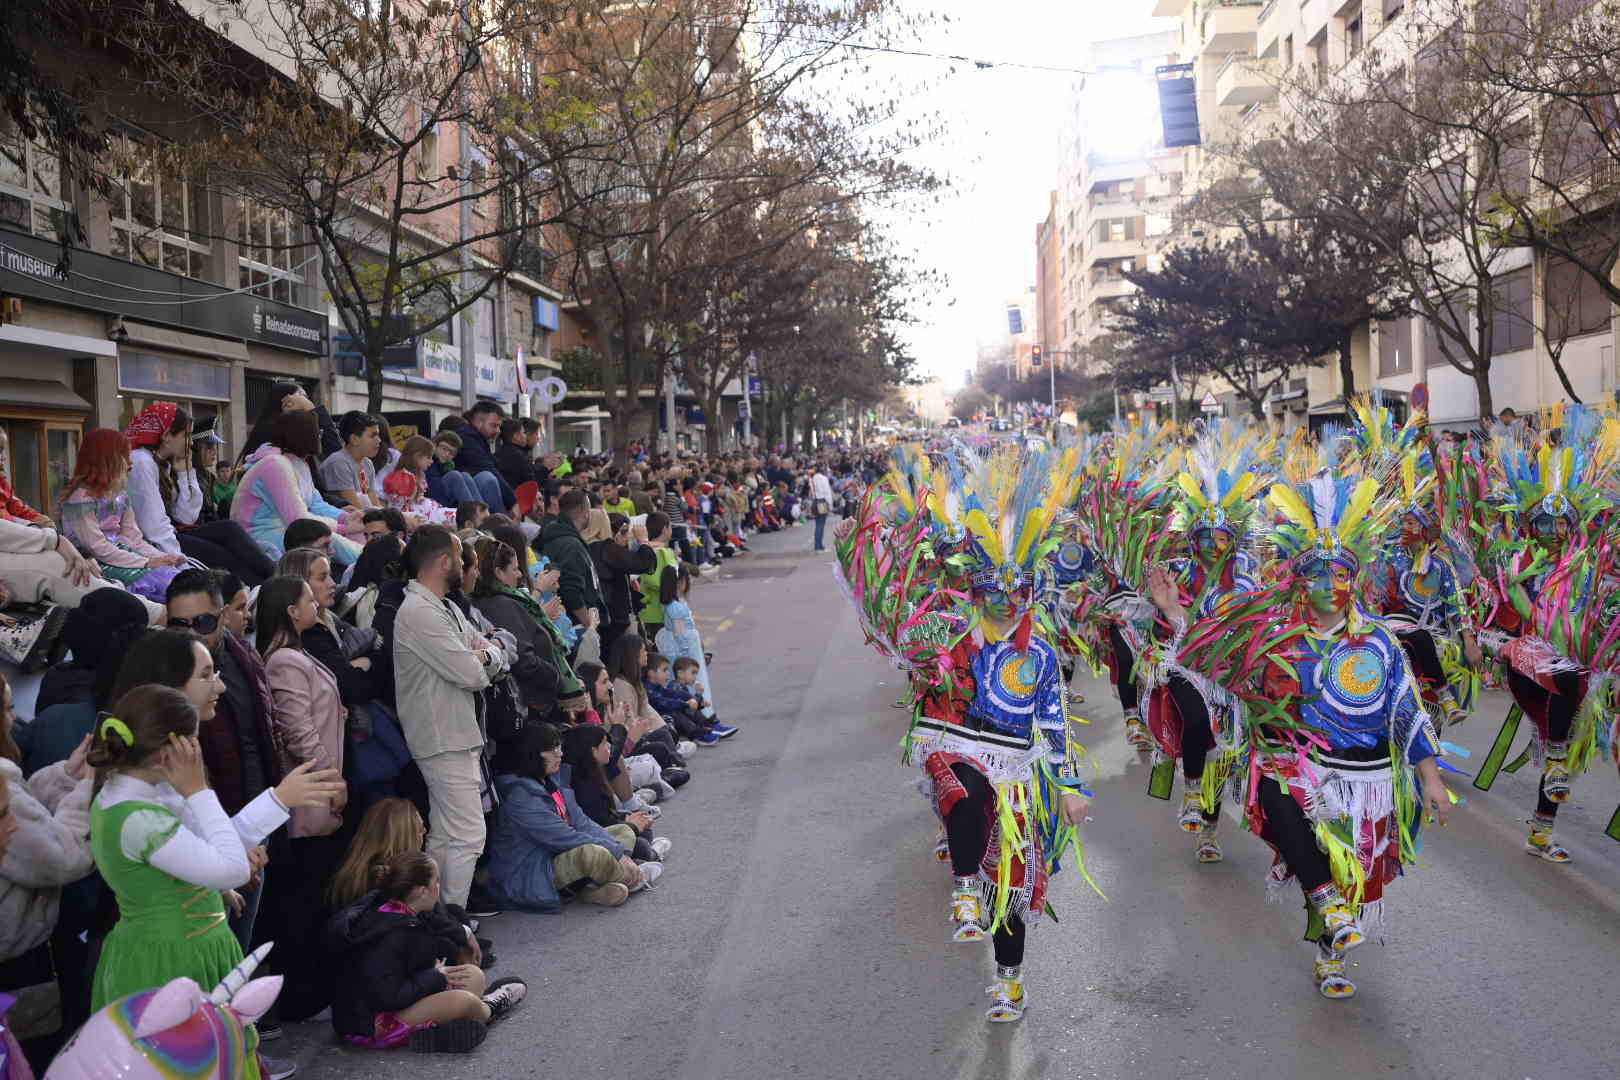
{"points": [[174, 1031]]}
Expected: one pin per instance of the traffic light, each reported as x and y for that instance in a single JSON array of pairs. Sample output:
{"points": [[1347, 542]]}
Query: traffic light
{"points": [[1034, 356]]}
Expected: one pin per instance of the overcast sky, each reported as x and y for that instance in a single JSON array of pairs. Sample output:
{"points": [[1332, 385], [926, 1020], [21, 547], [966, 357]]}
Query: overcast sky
{"points": [[1001, 149]]}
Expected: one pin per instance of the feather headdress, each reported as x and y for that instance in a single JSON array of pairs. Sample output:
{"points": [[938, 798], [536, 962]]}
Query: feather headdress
{"points": [[1569, 473], [1007, 502], [1338, 514], [1220, 475]]}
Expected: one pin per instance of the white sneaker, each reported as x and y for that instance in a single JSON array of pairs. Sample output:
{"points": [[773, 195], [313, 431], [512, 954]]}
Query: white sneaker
{"points": [[647, 795], [650, 872], [708, 570], [686, 747], [661, 845], [664, 789]]}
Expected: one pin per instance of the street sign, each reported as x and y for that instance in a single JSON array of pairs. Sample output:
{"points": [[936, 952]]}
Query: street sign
{"points": [[754, 386], [1209, 404]]}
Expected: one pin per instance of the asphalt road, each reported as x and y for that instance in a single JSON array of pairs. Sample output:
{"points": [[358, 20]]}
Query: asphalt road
{"points": [[800, 929]]}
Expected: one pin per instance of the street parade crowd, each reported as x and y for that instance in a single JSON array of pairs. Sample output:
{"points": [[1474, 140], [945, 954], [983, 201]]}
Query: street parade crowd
{"points": [[1290, 622], [347, 700]]}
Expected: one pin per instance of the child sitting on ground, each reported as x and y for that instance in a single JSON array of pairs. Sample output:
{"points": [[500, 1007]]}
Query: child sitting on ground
{"points": [[407, 970], [686, 671], [676, 703], [679, 639]]}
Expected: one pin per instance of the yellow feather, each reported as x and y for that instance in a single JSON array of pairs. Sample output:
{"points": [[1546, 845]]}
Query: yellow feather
{"points": [[980, 527], [1361, 500], [1285, 499], [902, 490], [1194, 492]]}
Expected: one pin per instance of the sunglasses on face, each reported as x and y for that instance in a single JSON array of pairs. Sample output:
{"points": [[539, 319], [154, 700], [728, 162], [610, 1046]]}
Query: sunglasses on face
{"points": [[202, 624]]}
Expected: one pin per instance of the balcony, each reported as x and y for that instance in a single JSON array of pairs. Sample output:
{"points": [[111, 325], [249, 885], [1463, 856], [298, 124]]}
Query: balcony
{"points": [[1228, 26], [1243, 80], [1268, 31], [1109, 250], [1104, 287]]}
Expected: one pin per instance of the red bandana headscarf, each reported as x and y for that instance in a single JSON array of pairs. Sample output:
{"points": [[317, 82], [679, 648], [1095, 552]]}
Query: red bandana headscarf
{"points": [[151, 425]]}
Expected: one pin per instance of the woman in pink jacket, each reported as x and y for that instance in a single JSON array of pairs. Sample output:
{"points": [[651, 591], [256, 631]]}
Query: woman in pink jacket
{"points": [[309, 721]]}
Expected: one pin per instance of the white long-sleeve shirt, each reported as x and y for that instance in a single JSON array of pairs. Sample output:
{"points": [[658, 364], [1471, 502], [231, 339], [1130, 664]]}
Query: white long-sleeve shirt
{"points": [[146, 499], [209, 848], [820, 486]]}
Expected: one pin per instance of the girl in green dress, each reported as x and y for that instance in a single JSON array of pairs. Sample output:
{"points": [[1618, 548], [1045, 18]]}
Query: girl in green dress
{"points": [[167, 849]]}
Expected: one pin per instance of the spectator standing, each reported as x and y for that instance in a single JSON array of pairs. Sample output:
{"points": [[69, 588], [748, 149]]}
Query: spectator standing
{"points": [[167, 849], [512, 456], [478, 431], [238, 742], [50, 848], [561, 542], [625, 553], [440, 665], [658, 584], [821, 500], [645, 502], [350, 474]]}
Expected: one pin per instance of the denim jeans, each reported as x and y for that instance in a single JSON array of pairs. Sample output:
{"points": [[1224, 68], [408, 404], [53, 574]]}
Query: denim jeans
{"points": [[821, 529], [452, 488]]}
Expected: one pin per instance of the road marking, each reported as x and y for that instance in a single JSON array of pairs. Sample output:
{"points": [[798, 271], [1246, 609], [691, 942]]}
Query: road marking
{"points": [[723, 627]]}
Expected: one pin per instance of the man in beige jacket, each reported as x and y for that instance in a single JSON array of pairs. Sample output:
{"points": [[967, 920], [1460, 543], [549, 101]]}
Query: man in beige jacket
{"points": [[440, 665]]}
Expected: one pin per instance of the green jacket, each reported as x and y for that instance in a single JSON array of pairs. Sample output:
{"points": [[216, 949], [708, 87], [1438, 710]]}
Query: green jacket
{"points": [[561, 543], [652, 604]]}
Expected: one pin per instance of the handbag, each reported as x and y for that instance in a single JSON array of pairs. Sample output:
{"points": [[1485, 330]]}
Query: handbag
{"points": [[820, 508]]}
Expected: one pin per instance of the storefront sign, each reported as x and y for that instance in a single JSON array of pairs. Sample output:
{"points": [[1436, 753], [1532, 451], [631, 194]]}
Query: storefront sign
{"points": [[546, 313], [146, 294], [171, 377]]}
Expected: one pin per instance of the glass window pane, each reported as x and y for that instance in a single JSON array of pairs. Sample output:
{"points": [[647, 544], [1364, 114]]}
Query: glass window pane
{"points": [[174, 259], [143, 196], [242, 213], [13, 169], [13, 211], [24, 464], [63, 449], [199, 265], [47, 220], [172, 206], [197, 211], [282, 290], [279, 255], [148, 250], [47, 172], [120, 243]]}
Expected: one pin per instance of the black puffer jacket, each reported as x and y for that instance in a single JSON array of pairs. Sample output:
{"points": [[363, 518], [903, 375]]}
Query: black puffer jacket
{"points": [[387, 962]]}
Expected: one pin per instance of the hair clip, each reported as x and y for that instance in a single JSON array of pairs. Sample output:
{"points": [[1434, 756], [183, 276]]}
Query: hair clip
{"points": [[118, 727]]}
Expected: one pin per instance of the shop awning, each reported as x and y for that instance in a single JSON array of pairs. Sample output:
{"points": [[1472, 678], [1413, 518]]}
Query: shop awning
{"points": [[54, 341], [159, 337], [41, 394]]}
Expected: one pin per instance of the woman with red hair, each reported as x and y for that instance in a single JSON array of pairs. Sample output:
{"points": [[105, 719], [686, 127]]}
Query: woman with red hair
{"points": [[97, 517]]}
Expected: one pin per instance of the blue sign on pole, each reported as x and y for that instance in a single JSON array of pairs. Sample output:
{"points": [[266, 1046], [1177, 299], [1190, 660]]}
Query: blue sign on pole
{"points": [[755, 387], [1015, 321]]}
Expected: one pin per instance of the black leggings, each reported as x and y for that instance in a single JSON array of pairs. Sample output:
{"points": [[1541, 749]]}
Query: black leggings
{"points": [[1561, 707], [1425, 657], [967, 829], [225, 545], [1196, 735], [1288, 830], [1125, 663]]}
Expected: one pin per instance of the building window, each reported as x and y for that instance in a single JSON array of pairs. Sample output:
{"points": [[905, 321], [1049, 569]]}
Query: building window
{"points": [[1353, 36], [1512, 319], [266, 246], [1392, 10], [1395, 347], [33, 188], [484, 326], [1576, 303], [159, 219], [1288, 52]]}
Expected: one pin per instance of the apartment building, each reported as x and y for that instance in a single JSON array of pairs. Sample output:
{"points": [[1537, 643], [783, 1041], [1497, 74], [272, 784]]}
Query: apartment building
{"points": [[1117, 187], [1332, 37], [1047, 278]]}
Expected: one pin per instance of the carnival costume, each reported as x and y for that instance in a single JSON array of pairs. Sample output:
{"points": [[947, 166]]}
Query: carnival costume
{"points": [[1190, 716], [1121, 513], [1553, 619], [1424, 573], [936, 571], [1334, 725]]}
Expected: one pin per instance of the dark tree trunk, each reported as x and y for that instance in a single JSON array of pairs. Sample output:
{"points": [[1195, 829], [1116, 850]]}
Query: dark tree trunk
{"points": [[1347, 369]]}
